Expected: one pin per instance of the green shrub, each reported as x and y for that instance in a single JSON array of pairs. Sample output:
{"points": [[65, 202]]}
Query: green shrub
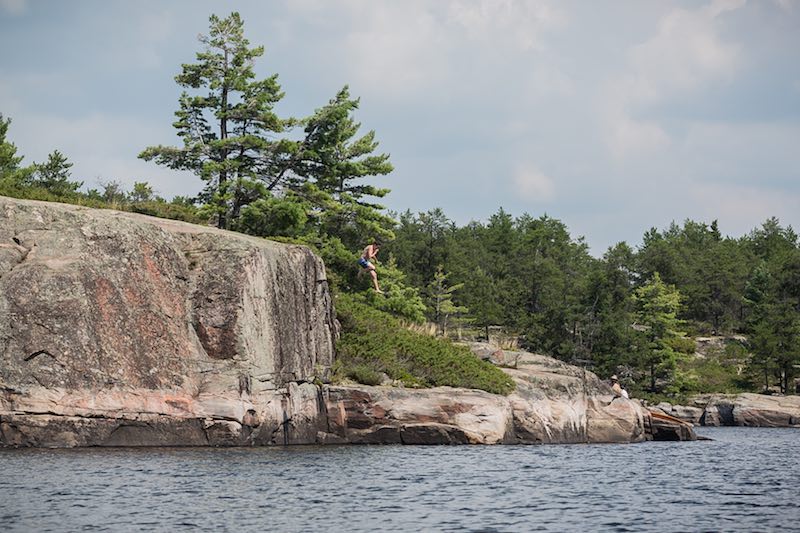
{"points": [[365, 375], [273, 217], [172, 211], [685, 345], [374, 342]]}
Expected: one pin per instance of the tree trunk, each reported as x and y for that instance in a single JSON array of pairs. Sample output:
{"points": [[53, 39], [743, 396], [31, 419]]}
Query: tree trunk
{"points": [[222, 221], [785, 379], [652, 377]]}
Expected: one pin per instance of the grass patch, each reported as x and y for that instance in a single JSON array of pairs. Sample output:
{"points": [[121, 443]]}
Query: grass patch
{"points": [[374, 342]]}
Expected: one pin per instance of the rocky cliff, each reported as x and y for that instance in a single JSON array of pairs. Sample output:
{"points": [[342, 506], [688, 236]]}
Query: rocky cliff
{"points": [[122, 329], [116, 327]]}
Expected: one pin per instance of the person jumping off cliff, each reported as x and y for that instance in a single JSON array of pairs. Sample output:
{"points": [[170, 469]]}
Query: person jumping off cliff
{"points": [[369, 253]]}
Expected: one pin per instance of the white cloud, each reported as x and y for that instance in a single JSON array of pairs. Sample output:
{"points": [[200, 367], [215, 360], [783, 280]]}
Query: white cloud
{"points": [[629, 137], [14, 7], [154, 30], [686, 54], [140, 40], [396, 50], [718, 7], [533, 185], [515, 22], [404, 49], [547, 79]]}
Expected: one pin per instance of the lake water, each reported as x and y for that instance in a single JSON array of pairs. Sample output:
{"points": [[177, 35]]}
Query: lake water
{"points": [[744, 480]]}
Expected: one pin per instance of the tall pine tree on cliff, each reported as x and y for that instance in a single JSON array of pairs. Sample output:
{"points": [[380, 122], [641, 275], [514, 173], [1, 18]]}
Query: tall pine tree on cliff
{"points": [[227, 125], [336, 161]]}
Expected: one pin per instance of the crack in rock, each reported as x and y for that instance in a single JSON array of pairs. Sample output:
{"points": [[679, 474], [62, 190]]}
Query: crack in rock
{"points": [[34, 355]]}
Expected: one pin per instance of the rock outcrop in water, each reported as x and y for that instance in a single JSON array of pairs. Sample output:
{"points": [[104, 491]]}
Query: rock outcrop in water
{"points": [[553, 403], [121, 329], [746, 409]]}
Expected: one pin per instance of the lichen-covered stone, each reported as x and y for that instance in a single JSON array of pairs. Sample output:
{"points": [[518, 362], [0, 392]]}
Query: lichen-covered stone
{"points": [[96, 298]]}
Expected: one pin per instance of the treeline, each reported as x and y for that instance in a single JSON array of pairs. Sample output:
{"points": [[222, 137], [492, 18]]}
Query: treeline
{"points": [[631, 311]]}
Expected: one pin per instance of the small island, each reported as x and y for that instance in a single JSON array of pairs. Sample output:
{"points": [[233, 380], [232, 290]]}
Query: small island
{"points": [[243, 315]]}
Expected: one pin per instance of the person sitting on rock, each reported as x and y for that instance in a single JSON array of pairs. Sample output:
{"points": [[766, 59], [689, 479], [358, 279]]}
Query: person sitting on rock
{"points": [[617, 389], [369, 253]]}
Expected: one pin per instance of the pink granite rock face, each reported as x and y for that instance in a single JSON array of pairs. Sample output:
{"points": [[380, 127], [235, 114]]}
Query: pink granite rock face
{"points": [[443, 415], [108, 318]]}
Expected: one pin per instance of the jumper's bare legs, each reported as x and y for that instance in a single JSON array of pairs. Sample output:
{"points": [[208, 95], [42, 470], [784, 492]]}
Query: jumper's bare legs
{"points": [[374, 276]]}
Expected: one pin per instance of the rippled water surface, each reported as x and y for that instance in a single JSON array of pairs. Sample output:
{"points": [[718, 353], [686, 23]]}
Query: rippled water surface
{"points": [[745, 480]]}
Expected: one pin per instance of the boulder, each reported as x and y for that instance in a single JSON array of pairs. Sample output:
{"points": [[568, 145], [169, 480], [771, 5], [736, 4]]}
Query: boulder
{"points": [[558, 402], [667, 428]]}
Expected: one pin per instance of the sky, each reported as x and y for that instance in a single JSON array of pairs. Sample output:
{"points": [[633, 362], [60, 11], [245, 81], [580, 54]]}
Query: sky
{"points": [[611, 116]]}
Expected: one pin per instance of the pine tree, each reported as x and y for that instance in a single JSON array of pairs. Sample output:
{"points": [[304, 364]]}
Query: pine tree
{"points": [[54, 175], [657, 316], [336, 162], [335, 159], [11, 174], [227, 130], [440, 300], [609, 340], [141, 192]]}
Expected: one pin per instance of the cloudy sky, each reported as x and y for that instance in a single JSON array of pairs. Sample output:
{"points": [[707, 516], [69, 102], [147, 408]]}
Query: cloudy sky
{"points": [[613, 116]]}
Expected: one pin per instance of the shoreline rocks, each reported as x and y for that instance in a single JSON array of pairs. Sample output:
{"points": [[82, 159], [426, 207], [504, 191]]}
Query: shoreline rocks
{"points": [[745, 409], [119, 329]]}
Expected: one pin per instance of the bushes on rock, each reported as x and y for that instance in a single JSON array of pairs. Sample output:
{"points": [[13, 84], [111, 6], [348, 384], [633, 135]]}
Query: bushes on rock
{"points": [[374, 342]]}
